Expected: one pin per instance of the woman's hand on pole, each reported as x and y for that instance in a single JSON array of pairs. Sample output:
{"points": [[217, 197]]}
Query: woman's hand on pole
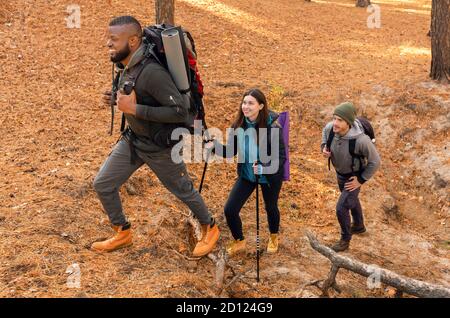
{"points": [[257, 169]]}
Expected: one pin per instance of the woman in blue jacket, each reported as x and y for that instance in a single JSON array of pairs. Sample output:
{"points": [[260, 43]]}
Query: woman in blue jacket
{"points": [[256, 134]]}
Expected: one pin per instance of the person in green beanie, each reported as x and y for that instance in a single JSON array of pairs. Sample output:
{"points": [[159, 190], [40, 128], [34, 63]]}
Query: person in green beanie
{"points": [[347, 112], [346, 130]]}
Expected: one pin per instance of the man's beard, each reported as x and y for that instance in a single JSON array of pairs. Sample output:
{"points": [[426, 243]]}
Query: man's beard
{"points": [[121, 55]]}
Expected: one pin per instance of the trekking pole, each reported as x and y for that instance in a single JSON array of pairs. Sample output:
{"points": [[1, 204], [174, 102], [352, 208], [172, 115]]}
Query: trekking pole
{"points": [[257, 228], [111, 101], [203, 175], [206, 162]]}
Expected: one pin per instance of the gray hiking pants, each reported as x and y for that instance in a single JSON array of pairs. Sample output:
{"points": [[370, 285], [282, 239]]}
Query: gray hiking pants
{"points": [[117, 169]]}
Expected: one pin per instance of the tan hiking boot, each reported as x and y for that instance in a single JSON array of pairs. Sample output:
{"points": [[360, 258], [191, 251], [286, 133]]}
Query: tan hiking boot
{"points": [[272, 246], [236, 246], [210, 236], [122, 238]]}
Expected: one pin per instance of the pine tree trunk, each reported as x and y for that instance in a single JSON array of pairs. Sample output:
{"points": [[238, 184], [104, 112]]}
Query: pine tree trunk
{"points": [[440, 40], [165, 11], [362, 3]]}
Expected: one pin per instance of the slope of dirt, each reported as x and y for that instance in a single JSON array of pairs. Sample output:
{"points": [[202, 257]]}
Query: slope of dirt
{"points": [[310, 56]]}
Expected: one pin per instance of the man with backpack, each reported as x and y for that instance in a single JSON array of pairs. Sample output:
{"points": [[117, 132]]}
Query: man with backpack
{"points": [[151, 102], [348, 142]]}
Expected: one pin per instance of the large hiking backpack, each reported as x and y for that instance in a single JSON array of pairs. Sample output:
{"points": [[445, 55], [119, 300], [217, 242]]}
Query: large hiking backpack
{"points": [[152, 39], [368, 130]]}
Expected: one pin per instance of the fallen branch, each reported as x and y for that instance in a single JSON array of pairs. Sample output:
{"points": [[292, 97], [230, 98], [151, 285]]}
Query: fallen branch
{"points": [[237, 277], [330, 281], [190, 259], [195, 226], [321, 287], [221, 266], [401, 283]]}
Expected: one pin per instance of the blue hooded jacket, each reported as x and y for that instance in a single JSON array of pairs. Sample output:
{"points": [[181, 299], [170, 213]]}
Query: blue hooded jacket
{"points": [[251, 152]]}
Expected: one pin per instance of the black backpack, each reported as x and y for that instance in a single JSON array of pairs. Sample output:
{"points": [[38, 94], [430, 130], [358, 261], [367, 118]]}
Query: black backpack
{"points": [[368, 130], [152, 39]]}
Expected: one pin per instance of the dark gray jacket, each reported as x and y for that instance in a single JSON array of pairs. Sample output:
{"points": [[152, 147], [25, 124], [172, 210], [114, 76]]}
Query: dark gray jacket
{"points": [[159, 102], [340, 154]]}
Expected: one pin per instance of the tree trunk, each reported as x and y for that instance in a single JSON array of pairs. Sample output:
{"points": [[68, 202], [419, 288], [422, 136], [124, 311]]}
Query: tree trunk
{"points": [[362, 3], [165, 11], [440, 40]]}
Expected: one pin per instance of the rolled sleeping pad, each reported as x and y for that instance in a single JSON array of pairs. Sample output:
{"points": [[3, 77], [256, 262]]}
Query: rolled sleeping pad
{"points": [[176, 62]]}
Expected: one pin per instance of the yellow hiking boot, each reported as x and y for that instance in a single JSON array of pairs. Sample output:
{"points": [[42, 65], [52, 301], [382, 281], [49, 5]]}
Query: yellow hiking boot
{"points": [[122, 238], [210, 236], [236, 246], [272, 246]]}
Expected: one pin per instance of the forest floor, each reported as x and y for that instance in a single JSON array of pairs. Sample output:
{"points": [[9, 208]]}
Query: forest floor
{"points": [[309, 56]]}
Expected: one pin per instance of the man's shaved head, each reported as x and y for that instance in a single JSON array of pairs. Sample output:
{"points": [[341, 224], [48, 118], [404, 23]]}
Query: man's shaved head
{"points": [[127, 20], [125, 37]]}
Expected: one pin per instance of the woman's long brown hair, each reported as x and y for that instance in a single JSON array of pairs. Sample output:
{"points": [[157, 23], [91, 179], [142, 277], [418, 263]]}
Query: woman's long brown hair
{"points": [[263, 116]]}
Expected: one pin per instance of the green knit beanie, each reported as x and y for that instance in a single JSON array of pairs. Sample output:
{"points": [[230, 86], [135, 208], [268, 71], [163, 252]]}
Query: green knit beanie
{"points": [[347, 112]]}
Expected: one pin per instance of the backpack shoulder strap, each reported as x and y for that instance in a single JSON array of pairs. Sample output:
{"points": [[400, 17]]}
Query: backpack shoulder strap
{"points": [[122, 123], [150, 52], [351, 147], [351, 150], [114, 89], [330, 138], [329, 141], [276, 124], [140, 67]]}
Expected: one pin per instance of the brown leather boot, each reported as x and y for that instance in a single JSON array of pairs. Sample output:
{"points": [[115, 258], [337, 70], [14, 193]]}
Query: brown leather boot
{"points": [[210, 236], [358, 230], [341, 246], [122, 238]]}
